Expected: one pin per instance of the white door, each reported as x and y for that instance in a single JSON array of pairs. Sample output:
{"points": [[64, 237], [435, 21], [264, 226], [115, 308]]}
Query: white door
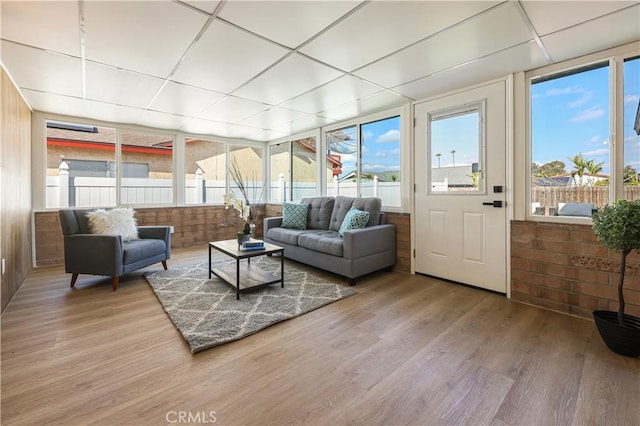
{"points": [[460, 214]]}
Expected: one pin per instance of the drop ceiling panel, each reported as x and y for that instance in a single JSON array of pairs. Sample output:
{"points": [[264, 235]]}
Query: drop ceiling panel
{"points": [[48, 102], [63, 74], [181, 99], [382, 27], [272, 118], [523, 57], [273, 19], [233, 109], [371, 104], [609, 31], [118, 86], [205, 127], [550, 16], [254, 133], [308, 122], [148, 37], [471, 41], [207, 6], [160, 120], [289, 78], [47, 25], [344, 89], [226, 57]]}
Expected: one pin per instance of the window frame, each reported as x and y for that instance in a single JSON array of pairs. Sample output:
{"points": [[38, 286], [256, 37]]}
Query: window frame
{"points": [[406, 128], [615, 58]]}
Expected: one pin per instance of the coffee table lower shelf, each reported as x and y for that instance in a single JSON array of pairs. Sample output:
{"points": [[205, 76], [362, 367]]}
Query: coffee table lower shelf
{"points": [[243, 277]]}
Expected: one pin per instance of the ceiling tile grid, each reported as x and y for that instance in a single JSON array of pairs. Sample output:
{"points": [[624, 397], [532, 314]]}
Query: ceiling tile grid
{"points": [[262, 70]]}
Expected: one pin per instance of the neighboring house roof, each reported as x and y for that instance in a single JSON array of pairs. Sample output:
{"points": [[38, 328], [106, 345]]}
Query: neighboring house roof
{"points": [[456, 176], [557, 181]]}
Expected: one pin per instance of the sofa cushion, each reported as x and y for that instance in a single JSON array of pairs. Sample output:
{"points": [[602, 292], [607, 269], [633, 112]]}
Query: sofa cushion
{"points": [[373, 205], [320, 209], [355, 219], [295, 215], [137, 250], [575, 209], [341, 207], [284, 235], [343, 204], [118, 221], [322, 241]]}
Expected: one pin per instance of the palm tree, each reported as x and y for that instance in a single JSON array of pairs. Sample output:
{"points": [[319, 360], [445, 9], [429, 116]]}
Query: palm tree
{"points": [[579, 167], [438, 155], [453, 154], [593, 169]]}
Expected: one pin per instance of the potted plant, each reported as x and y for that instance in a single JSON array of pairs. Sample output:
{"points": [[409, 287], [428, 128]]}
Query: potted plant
{"points": [[617, 227]]}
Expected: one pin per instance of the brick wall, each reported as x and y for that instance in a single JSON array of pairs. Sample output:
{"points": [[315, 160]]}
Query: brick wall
{"points": [[563, 267], [193, 226]]}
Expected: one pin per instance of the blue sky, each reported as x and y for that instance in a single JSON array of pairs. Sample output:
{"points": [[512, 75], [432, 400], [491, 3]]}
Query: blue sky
{"points": [[570, 115], [381, 148]]}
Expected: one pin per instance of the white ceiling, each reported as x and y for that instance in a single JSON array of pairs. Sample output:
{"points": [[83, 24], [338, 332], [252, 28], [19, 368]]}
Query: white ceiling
{"points": [[265, 69]]}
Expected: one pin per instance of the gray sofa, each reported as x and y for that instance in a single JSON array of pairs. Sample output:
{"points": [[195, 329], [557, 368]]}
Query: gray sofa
{"points": [[359, 252], [109, 255]]}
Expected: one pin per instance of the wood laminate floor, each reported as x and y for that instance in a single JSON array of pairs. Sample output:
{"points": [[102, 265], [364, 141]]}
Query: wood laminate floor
{"points": [[404, 350]]}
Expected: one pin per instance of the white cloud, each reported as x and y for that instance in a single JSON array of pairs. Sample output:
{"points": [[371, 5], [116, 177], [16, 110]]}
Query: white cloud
{"points": [[632, 138], [367, 135], [631, 99], [388, 153], [592, 113], [595, 139], [389, 136], [581, 100], [564, 91], [596, 152]]}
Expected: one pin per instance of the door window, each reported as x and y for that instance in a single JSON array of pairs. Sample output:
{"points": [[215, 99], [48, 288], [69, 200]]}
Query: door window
{"points": [[455, 150]]}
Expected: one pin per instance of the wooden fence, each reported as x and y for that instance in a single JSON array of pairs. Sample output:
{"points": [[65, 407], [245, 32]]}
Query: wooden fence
{"points": [[597, 195]]}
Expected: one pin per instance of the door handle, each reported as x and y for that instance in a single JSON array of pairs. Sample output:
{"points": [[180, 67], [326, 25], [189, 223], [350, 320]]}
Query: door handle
{"points": [[496, 203]]}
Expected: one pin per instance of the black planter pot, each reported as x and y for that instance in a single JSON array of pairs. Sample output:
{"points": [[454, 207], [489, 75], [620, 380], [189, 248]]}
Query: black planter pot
{"points": [[623, 340]]}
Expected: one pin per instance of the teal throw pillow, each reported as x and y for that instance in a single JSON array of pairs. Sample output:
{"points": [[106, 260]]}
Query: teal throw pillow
{"points": [[294, 215], [355, 219]]}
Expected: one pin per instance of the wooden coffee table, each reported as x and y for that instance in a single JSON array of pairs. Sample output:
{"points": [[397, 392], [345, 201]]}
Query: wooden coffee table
{"points": [[242, 276]]}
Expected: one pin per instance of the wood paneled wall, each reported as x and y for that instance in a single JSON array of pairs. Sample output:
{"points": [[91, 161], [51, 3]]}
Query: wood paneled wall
{"points": [[15, 188]]}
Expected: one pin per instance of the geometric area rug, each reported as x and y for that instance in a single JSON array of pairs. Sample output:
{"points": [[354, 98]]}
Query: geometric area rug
{"points": [[206, 311]]}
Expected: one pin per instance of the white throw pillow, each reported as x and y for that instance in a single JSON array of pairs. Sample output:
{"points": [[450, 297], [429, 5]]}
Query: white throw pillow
{"points": [[118, 221]]}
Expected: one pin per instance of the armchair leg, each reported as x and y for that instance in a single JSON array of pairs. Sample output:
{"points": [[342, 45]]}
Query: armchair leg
{"points": [[74, 277], [351, 281], [164, 264], [114, 282]]}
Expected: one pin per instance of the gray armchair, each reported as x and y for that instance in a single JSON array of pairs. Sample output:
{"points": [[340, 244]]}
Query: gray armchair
{"points": [[108, 255]]}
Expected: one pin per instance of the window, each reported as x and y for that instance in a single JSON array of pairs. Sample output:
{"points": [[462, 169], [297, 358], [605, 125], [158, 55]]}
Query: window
{"points": [[293, 170], [631, 128], [380, 159], [455, 150], [205, 166], [342, 175], [280, 170], [570, 149], [147, 168], [364, 160], [81, 165], [249, 162]]}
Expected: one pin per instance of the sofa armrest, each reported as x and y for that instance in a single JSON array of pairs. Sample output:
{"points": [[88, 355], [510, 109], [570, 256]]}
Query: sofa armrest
{"points": [[271, 222], [370, 240], [156, 233], [96, 254]]}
